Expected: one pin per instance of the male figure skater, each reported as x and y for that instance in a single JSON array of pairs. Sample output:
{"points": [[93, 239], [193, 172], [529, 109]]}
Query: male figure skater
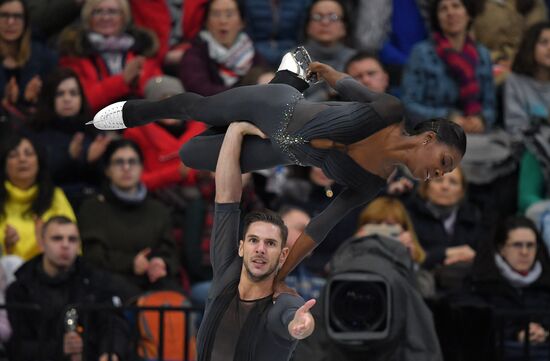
{"points": [[242, 321]]}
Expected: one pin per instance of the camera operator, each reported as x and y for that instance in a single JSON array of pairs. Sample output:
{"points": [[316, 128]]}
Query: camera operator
{"points": [[371, 308]]}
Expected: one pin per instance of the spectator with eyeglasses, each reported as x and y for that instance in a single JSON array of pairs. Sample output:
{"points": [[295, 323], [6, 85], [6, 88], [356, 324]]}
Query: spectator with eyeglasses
{"points": [[513, 273], [124, 230], [327, 30], [222, 54], [113, 58], [25, 62]]}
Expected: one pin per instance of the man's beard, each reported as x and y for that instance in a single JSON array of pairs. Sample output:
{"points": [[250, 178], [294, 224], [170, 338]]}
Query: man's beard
{"points": [[262, 277]]}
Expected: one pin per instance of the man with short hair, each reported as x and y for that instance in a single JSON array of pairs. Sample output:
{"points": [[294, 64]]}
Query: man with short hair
{"points": [[369, 71], [54, 280], [242, 321]]}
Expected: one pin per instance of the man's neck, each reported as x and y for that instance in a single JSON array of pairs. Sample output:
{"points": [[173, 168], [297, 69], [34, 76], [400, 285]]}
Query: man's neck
{"points": [[251, 290], [50, 269]]}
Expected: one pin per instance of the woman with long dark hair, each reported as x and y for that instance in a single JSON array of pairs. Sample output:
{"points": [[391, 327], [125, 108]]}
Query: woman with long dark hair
{"points": [[27, 196], [58, 125]]}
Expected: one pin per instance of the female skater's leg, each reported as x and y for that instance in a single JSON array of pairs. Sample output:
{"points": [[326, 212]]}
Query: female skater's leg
{"points": [[201, 152], [262, 105]]}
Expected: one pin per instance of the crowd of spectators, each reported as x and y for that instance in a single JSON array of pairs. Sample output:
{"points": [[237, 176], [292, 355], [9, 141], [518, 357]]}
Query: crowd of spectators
{"points": [[144, 219]]}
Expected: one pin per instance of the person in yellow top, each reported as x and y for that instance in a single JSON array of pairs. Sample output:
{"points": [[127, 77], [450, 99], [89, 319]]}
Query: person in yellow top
{"points": [[28, 197]]}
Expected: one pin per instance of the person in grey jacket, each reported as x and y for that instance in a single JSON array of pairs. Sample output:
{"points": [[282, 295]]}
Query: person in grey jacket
{"points": [[527, 88]]}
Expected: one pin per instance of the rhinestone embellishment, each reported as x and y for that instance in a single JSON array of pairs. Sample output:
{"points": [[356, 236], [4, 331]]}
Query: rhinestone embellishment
{"points": [[284, 140]]}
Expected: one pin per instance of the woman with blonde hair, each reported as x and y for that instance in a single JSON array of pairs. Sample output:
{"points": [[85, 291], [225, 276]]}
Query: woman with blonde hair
{"points": [[113, 59], [390, 211]]}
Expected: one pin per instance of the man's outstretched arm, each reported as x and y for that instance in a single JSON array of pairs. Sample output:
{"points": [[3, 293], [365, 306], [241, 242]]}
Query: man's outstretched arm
{"points": [[228, 169]]}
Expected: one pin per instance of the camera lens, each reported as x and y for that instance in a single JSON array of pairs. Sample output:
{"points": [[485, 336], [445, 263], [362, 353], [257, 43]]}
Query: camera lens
{"points": [[358, 306]]}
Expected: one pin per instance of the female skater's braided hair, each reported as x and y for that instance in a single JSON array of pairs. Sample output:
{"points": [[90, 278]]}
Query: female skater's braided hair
{"points": [[446, 131]]}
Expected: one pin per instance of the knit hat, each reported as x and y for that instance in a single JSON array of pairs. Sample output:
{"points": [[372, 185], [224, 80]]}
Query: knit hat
{"points": [[162, 86]]}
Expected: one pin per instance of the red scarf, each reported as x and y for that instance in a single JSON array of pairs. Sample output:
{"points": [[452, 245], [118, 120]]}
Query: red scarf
{"points": [[462, 65]]}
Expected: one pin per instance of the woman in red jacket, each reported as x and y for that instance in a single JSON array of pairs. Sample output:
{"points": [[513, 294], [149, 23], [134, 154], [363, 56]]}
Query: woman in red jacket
{"points": [[160, 141], [113, 59]]}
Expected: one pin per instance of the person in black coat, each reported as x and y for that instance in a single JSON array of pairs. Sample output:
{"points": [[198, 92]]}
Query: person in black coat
{"points": [[513, 274], [447, 225], [53, 281]]}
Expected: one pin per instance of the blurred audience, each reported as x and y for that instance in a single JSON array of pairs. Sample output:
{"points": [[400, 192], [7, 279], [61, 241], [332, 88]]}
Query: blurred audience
{"points": [[54, 280], [222, 53], [327, 29], [372, 24], [304, 282], [527, 88], [500, 26], [275, 26], [124, 230], [174, 22], [113, 59], [25, 62], [514, 274], [408, 27], [160, 141], [390, 211], [27, 197], [450, 75], [448, 227], [58, 126], [367, 69], [49, 18]]}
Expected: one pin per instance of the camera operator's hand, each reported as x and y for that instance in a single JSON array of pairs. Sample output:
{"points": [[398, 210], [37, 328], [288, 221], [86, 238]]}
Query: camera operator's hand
{"points": [[303, 323], [281, 287]]}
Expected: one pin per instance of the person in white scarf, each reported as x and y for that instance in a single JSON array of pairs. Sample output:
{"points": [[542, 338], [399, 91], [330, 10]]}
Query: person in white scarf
{"points": [[222, 53]]}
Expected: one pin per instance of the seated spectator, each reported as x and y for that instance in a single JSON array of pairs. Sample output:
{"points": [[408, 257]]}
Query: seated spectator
{"points": [[24, 62], [275, 27], [327, 27], [174, 22], [304, 282], [160, 141], [500, 27], [390, 211], [27, 197], [527, 88], [450, 75], [367, 69], [73, 149], [52, 281], [124, 230], [113, 59], [514, 274], [447, 226], [372, 24], [408, 27], [50, 17], [221, 54]]}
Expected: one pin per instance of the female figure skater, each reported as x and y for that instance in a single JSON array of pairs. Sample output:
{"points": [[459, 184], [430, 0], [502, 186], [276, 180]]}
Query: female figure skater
{"points": [[357, 142]]}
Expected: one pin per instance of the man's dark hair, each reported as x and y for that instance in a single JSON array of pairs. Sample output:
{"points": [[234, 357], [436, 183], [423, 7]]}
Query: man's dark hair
{"points": [[43, 200], [446, 131], [56, 220], [473, 8], [266, 216], [363, 55]]}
